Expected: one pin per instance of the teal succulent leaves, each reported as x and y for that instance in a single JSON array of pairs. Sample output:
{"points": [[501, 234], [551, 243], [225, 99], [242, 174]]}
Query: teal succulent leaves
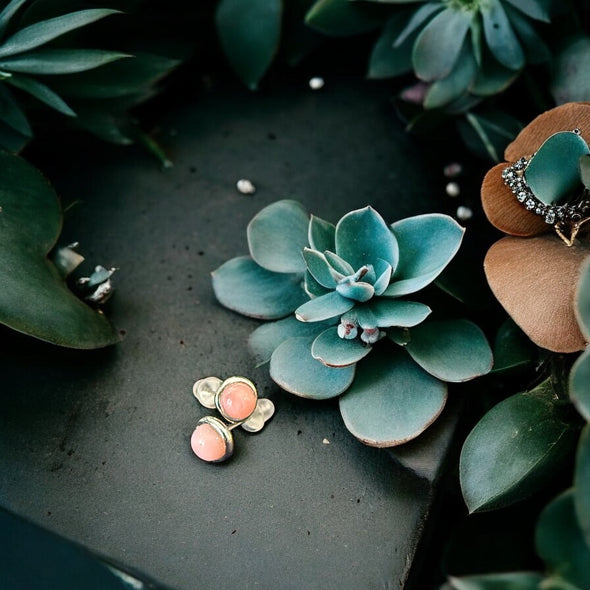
{"points": [[337, 292]]}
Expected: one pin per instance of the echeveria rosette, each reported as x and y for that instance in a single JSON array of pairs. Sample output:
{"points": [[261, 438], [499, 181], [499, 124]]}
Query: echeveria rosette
{"points": [[535, 278], [345, 285]]}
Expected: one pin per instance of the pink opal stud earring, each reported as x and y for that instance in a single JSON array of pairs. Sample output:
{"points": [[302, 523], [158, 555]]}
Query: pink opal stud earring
{"points": [[237, 401]]}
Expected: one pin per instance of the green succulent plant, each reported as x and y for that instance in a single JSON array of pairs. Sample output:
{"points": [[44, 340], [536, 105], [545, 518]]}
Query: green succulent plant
{"points": [[344, 327]]}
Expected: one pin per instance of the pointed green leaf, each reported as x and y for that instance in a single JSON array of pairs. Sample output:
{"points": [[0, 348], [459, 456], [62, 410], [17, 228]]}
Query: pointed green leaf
{"points": [[500, 37], [333, 351], [514, 450], [249, 32], [319, 268], [427, 244], [343, 17], [59, 61], [553, 172], [362, 237], [475, 28], [267, 337], [8, 12], [12, 114], [40, 33], [452, 350], [535, 49], [560, 542], [508, 581], [491, 79], [43, 93], [34, 299], [324, 307], [580, 384], [243, 286], [582, 483], [338, 264], [392, 400], [389, 313], [383, 271], [277, 235], [294, 369], [321, 234], [437, 47], [312, 287], [357, 291], [531, 8], [418, 18]]}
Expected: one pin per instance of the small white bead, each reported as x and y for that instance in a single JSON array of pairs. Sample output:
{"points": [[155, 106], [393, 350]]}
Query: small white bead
{"points": [[452, 170], [245, 186], [453, 189], [326, 441], [316, 83], [464, 213]]}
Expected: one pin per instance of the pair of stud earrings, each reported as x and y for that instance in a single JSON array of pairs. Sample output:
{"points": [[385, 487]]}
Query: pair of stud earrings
{"points": [[236, 399]]}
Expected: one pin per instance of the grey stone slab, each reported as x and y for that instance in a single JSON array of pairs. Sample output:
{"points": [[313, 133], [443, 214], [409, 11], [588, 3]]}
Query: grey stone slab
{"points": [[95, 445]]}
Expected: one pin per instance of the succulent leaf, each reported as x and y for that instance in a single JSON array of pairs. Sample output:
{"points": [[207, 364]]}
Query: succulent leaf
{"points": [[500, 37], [452, 350], [277, 235], [492, 78], [12, 114], [43, 93], [294, 369], [553, 172], [535, 49], [532, 8], [388, 313], [333, 351], [582, 483], [338, 264], [320, 269], [312, 287], [343, 18], [363, 237], [244, 286], [324, 307], [585, 176], [580, 384], [356, 290], [383, 271], [321, 234], [392, 400], [420, 16]]}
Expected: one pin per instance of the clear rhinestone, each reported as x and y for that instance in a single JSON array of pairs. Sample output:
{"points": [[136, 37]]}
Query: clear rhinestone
{"points": [[530, 204], [521, 196], [550, 217]]}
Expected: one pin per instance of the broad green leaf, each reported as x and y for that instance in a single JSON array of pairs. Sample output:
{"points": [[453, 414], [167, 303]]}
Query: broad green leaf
{"points": [[500, 37], [343, 17], [277, 235], [392, 400], [553, 172], [455, 84], [294, 369], [357, 291], [362, 237], [34, 299], [560, 542], [333, 351], [437, 47], [243, 286], [320, 234], [569, 82], [583, 297], [582, 483], [8, 12], [492, 78], [513, 350], [427, 243], [535, 49], [514, 450], [267, 337], [580, 384], [12, 114], [40, 33], [451, 350], [249, 32], [383, 271], [388, 313], [59, 61], [43, 93], [531, 8], [312, 287], [338, 264], [508, 581], [324, 307], [418, 18], [320, 269]]}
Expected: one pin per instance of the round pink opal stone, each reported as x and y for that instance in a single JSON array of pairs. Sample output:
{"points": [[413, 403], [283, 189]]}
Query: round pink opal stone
{"points": [[237, 401], [207, 443]]}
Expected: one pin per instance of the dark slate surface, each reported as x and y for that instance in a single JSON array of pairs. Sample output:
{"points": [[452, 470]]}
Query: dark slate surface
{"points": [[95, 445]]}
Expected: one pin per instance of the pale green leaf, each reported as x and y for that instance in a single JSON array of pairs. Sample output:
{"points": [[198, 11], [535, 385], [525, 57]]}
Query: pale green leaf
{"points": [[43, 93], [500, 37], [333, 351]]}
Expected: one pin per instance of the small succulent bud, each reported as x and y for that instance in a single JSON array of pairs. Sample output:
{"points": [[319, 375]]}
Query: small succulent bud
{"points": [[347, 329], [370, 335]]}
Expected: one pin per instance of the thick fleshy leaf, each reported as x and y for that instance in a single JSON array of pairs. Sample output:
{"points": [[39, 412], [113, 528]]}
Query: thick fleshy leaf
{"points": [[343, 17], [325, 307], [34, 298], [582, 483], [8, 12], [40, 33], [357, 291], [312, 287], [560, 542], [504, 211], [535, 282], [243, 286], [500, 37], [321, 234], [562, 118], [451, 350], [553, 172], [42, 92], [535, 49], [427, 244], [267, 337], [338, 264], [294, 369], [514, 449], [277, 235], [383, 272], [362, 237], [508, 581], [491, 79], [583, 299], [532, 8], [389, 313], [585, 170], [513, 351], [392, 400], [580, 384], [319, 268], [333, 351], [249, 32], [418, 18], [568, 82], [437, 47]]}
